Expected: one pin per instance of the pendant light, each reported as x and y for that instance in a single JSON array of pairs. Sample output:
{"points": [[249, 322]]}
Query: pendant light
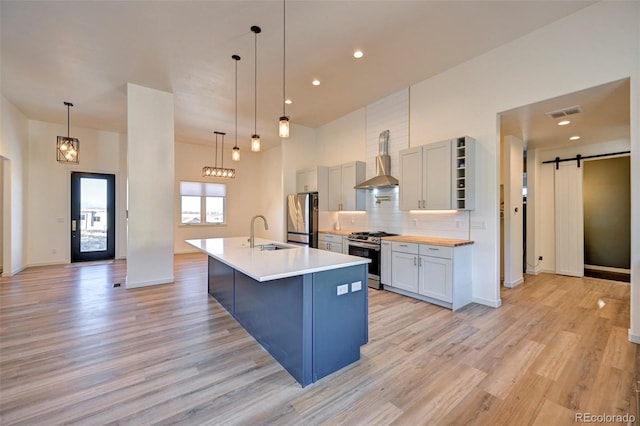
{"points": [[255, 138], [235, 156], [67, 148], [283, 126], [215, 171]]}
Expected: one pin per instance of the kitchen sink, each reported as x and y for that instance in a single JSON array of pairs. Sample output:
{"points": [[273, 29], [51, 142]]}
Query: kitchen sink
{"points": [[272, 246]]}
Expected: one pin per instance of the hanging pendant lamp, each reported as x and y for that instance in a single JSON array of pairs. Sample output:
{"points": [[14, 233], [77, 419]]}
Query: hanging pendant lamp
{"points": [[215, 171], [283, 126], [67, 148], [235, 156], [255, 138]]}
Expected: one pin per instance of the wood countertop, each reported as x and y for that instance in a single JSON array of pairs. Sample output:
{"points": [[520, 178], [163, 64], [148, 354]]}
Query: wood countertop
{"points": [[335, 231], [418, 239]]}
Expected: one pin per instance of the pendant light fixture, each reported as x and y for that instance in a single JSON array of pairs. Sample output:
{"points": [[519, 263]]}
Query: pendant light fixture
{"points": [[255, 138], [215, 171], [283, 126], [235, 156], [67, 148]]}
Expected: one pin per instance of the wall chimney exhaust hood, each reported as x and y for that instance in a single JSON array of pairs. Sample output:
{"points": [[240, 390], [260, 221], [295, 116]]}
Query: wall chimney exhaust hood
{"points": [[383, 178]]}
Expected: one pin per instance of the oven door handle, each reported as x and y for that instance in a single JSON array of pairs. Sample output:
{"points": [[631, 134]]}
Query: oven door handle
{"points": [[364, 245]]}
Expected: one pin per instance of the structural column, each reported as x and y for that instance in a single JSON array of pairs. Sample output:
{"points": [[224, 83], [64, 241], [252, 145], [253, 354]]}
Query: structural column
{"points": [[151, 176]]}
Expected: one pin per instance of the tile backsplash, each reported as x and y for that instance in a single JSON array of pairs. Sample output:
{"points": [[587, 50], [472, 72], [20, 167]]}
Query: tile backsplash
{"points": [[384, 214]]}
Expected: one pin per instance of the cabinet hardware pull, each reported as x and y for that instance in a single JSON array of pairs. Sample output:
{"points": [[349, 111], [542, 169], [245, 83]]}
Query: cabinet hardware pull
{"points": [[403, 245], [434, 249], [419, 261], [414, 262]]}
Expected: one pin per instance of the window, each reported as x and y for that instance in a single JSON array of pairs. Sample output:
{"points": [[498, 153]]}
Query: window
{"points": [[202, 203]]}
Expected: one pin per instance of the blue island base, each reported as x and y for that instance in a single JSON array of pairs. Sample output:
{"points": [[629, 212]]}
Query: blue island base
{"points": [[312, 324]]}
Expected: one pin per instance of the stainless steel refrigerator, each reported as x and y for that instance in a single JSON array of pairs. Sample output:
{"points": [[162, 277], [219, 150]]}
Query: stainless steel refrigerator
{"points": [[302, 219]]}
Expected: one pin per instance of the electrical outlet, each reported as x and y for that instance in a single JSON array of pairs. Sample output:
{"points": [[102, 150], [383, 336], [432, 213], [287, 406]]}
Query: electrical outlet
{"points": [[342, 289], [539, 257]]}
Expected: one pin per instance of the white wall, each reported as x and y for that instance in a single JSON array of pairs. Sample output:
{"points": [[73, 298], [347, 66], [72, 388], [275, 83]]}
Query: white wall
{"points": [[542, 65], [597, 45], [13, 150], [513, 220], [48, 208], [244, 192]]}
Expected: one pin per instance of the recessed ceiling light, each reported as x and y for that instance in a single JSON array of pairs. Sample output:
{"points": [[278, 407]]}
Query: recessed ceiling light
{"points": [[316, 82], [563, 122], [288, 101], [574, 138], [358, 54]]}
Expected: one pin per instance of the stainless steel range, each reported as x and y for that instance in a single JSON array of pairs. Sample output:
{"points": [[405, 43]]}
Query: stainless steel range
{"points": [[367, 244]]}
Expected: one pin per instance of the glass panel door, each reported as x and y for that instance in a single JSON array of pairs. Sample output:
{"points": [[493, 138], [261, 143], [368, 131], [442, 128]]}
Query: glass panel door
{"points": [[92, 216]]}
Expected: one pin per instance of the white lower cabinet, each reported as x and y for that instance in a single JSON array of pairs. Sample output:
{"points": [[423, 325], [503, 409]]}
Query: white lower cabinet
{"points": [[330, 242], [385, 263], [404, 266], [436, 274], [435, 278]]}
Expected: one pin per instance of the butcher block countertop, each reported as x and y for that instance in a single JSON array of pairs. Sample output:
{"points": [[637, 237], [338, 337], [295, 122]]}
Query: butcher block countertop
{"points": [[335, 232], [418, 239]]}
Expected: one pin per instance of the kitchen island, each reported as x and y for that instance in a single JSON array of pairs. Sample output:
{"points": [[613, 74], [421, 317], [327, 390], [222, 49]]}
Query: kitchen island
{"points": [[308, 308]]}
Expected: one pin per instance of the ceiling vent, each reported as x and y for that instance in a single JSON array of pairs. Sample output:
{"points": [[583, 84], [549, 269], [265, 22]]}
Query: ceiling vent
{"points": [[564, 112]]}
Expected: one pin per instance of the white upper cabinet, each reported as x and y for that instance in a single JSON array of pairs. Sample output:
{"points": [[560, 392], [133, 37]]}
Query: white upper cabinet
{"points": [[341, 194], [311, 180], [438, 176], [410, 178]]}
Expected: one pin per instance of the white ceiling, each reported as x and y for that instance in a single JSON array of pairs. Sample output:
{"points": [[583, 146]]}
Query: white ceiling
{"points": [[86, 52]]}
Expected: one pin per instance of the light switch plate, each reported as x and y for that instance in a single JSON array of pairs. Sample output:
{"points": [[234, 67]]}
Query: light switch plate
{"points": [[343, 289], [356, 286]]}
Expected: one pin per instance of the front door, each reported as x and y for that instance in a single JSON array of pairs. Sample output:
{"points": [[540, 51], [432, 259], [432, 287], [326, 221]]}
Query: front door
{"points": [[93, 220]]}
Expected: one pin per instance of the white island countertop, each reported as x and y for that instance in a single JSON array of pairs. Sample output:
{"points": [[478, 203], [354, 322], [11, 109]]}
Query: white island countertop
{"points": [[267, 265]]}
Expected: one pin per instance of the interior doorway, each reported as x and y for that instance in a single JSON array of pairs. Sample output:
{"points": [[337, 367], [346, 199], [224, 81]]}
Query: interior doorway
{"points": [[607, 218], [93, 221]]}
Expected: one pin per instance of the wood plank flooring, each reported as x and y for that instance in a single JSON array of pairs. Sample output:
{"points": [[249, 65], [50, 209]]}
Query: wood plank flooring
{"points": [[76, 350]]}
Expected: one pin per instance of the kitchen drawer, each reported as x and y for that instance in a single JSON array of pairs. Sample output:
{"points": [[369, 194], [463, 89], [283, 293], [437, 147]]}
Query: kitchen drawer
{"points": [[331, 238], [436, 251], [405, 247]]}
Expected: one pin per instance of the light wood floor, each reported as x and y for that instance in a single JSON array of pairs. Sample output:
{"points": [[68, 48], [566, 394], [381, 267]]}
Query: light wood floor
{"points": [[74, 349]]}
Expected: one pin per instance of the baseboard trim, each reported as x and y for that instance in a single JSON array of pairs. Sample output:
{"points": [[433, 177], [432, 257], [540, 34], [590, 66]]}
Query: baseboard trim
{"points": [[491, 303], [634, 338], [607, 269], [14, 272], [129, 284], [512, 284]]}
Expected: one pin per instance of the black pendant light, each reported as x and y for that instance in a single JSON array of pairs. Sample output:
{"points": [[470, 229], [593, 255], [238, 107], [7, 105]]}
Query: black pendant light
{"points": [[255, 138], [235, 156], [283, 126], [215, 171], [67, 148]]}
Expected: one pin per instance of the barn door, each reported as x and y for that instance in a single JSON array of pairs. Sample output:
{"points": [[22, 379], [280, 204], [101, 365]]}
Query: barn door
{"points": [[569, 219]]}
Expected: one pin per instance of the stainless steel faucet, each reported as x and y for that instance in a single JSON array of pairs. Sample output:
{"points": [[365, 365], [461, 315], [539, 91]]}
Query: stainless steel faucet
{"points": [[252, 238]]}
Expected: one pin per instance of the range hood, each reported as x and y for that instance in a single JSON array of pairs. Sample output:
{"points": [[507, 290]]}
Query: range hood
{"points": [[383, 178]]}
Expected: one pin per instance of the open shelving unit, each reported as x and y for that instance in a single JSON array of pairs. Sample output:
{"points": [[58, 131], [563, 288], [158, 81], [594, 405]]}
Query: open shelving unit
{"points": [[464, 182]]}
